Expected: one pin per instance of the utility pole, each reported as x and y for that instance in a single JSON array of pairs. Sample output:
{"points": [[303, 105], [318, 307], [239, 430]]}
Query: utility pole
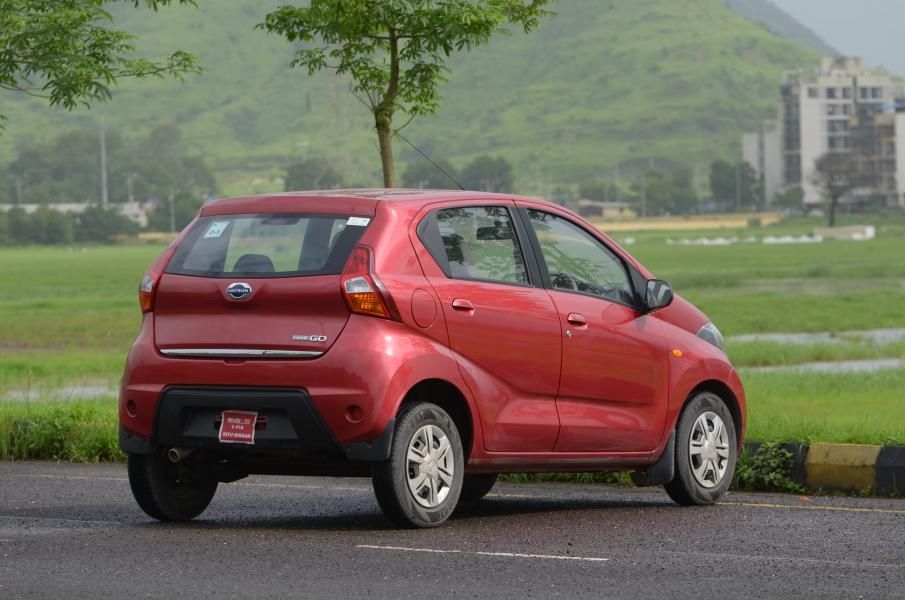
{"points": [[738, 188], [104, 198], [643, 195]]}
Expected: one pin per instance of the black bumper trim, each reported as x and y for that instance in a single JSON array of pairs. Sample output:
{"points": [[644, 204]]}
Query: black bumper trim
{"points": [[132, 444], [374, 451], [187, 416]]}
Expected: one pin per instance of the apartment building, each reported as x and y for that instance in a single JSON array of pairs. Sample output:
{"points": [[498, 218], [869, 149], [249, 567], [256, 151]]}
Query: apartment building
{"points": [[839, 106]]}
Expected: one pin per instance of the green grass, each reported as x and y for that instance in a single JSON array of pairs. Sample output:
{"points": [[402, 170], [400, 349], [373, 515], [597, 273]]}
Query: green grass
{"points": [[773, 354], [69, 431], [862, 408]]}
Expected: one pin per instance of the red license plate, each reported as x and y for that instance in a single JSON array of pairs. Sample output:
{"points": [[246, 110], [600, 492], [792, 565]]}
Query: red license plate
{"points": [[238, 426]]}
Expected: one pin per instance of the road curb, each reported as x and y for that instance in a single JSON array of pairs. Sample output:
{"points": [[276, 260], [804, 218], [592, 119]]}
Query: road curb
{"points": [[844, 467]]}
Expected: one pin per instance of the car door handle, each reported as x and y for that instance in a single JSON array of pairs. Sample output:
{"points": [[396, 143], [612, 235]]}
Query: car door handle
{"points": [[462, 304], [576, 319]]}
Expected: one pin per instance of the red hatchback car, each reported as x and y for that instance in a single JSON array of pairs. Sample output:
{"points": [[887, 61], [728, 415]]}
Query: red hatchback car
{"points": [[428, 339]]}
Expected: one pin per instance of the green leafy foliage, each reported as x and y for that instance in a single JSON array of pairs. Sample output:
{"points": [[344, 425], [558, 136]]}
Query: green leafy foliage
{"points": [[592, 86], [312, 174], [395, 51], [67, 53], [488, 174], [67, 168], [734, 186], [422, 174], [768, 469]]}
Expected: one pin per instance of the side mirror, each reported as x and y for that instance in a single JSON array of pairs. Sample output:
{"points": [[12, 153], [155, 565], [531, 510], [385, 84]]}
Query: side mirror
{"points": [[658, 295]]}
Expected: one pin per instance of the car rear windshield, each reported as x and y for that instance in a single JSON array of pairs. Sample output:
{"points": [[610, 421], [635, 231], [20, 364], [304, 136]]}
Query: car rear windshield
{"points": [[278, 245]]}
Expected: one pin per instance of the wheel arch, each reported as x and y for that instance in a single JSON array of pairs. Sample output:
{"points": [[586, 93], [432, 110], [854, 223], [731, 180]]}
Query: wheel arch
{"points": [[448, 397], [729, 397]]}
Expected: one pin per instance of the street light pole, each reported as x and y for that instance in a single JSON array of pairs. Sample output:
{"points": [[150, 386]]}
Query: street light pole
{"points": [[103, 165]]}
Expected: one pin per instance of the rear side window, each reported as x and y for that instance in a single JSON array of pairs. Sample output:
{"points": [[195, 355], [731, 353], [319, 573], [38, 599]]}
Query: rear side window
{"points": [[268, 245], [475, 243]]}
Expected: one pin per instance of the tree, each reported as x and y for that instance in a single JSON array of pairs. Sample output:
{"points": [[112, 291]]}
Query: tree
{"points": [[421, 174], [601, 190], [312, 174], [98, 224], [789, 199], [665, 193], [395, 50], [488, 174], [173, 213], [836, 174], [734, 186], [65, 51], [67, 168]]}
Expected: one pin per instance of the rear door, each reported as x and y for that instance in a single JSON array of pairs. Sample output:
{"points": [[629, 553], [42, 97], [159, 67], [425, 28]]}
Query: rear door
{"points": [[256, 285], [504, 330], [614, 392]]}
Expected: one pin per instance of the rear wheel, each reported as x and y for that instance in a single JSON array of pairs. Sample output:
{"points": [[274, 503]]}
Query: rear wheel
{"points": [[706, 452], [168, 491], [420, 484], [475, 487]]}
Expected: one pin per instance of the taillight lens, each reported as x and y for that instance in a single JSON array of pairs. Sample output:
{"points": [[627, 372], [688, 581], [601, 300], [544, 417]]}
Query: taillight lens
{"points": [[362, 289], [146, 293]]}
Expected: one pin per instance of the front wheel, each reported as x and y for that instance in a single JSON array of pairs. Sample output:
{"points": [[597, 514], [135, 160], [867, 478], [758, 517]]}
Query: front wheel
{"points": [[706, 452], [420, 484], [168, 491]]}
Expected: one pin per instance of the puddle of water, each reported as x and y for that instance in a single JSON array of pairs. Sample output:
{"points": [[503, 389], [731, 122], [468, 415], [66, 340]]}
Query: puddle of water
{"points": [[874, 336], [840, 366], [87, 391]]}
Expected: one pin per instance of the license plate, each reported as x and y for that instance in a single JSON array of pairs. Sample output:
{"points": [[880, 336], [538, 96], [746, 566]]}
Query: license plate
{"points": [[238, 426]]}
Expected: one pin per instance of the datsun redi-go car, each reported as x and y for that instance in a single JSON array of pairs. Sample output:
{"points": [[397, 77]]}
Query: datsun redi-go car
{"points": [[428, 339]]}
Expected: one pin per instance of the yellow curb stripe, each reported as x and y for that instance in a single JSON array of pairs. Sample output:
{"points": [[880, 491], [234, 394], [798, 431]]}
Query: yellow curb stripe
{"points": [[841, 466]]}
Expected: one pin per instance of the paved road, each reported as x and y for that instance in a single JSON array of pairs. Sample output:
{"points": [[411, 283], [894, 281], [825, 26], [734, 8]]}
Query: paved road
{"points": [[73, 531]]}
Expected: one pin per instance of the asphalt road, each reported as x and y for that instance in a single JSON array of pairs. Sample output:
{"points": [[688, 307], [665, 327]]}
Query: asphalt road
{"points": [[74, 531]]}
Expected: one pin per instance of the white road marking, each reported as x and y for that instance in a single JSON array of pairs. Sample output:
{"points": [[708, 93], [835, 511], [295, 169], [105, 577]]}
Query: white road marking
{"points": [[480, 553]]}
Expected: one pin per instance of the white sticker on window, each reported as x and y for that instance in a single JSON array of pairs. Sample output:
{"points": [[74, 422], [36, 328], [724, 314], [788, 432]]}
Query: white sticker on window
{"points": [[216, 229], [358, 221]]}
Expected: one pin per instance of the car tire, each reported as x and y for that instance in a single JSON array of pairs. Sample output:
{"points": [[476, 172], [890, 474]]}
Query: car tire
{"points": [[168, 491], [420, 484], [475, 487], [706, 452]]}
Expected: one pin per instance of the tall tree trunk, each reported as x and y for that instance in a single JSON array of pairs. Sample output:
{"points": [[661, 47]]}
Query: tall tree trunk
{"points": [[384, 137], [834, 202]]}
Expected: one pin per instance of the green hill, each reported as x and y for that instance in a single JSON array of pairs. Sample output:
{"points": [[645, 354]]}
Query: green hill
{"points": [[602, 82]]}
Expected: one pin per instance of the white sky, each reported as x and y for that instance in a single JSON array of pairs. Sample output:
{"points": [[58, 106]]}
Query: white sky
{"points": [[872, 29]]}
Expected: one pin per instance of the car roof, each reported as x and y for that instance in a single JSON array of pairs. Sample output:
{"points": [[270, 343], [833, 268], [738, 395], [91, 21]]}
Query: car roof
{"points": [[347, 201]]}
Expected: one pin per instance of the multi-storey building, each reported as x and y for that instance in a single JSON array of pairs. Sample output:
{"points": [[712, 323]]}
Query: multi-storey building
{"points": [[837, 107]]}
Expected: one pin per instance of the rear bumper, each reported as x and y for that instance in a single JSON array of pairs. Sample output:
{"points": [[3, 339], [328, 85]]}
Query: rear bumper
{"points": [[288, 424]]}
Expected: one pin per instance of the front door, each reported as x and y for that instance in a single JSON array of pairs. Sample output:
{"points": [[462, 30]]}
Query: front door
{"points": [[613, 391]]}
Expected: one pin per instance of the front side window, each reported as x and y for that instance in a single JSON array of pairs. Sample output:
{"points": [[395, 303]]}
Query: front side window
{"points": [[577, 262], [476, 242], [276, 245]]}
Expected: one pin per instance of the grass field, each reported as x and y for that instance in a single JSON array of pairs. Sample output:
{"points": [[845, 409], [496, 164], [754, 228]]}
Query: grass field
{"points": [[68, 316]]}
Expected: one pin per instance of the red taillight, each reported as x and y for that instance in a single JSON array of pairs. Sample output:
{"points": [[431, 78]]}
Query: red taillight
{"points": [[146, 292], [362, 289]]}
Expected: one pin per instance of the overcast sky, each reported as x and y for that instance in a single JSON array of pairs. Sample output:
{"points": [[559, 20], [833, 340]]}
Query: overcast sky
{"points": [[872, 29]]}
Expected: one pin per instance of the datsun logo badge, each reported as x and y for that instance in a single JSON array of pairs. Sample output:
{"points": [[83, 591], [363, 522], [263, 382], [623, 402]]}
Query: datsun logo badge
{"points": [[238, 290]]}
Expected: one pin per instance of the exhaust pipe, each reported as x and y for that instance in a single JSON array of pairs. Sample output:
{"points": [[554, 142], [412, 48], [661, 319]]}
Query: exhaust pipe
{"points": [[177, 455]]}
